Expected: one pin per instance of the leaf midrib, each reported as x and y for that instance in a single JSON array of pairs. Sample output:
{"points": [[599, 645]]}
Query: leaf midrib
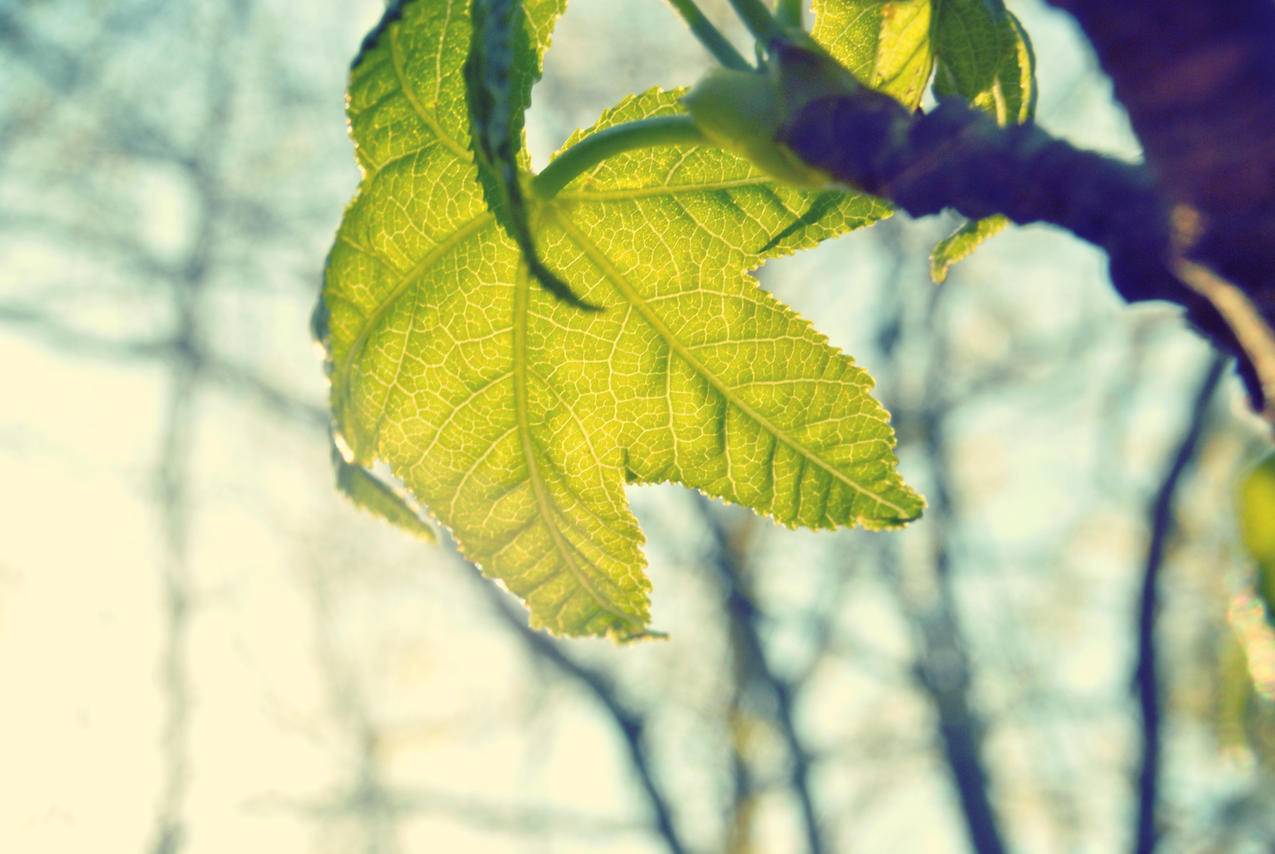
{"points": [[544, 503], [634, 298]]}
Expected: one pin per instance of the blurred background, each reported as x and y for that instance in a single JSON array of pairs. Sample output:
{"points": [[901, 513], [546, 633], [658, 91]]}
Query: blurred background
{"points": [[204, 649]]}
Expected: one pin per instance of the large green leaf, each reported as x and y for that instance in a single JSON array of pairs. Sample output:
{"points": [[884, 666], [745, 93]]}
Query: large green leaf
{"points": [[985, 58], [515, 418], [1257, 524], [886, 43]]}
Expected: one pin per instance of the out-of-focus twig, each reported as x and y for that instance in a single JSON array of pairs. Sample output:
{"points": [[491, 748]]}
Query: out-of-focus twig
{"points": [[630, 723], [1146, 676], [942, 666], [744, 617], [177, 443]]}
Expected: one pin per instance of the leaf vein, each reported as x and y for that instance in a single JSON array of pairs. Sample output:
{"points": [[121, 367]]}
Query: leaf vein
{"points": [[629, 292]]}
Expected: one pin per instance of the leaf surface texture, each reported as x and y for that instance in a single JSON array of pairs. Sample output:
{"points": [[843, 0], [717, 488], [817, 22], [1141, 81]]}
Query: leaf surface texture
{"points": [[885, 43], [515, 418]]}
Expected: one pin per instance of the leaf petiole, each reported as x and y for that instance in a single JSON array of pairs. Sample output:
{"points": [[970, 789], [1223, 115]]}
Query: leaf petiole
{"points": [[709, 36], [760, 22], [788, 12], [592, 150]]}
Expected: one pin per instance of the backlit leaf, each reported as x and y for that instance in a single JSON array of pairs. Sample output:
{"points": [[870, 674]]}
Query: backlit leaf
{"points": [[886, 43], [378, 498], [516, 419]]}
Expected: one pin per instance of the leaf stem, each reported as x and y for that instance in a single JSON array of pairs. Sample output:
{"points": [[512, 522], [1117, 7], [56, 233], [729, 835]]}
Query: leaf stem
{"points": [[709, 36], [788, 12], [760, 22], [592, 150]]}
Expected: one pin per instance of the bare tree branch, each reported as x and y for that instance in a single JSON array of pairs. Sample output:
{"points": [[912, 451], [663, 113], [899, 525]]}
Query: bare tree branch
{"points": [[630, 723], [957, 157], [1146, 676], [173, 475], [942, 666], [744, 618]]}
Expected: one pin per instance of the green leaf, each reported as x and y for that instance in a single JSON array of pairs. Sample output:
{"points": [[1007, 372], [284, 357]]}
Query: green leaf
{"points": [[378, 498], [960, 244], [885, 43], [984, 58], [517, 419], [1257, 526], [502, 66]]}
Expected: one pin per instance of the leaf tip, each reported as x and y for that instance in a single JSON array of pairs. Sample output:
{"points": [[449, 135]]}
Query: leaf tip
{"points": [[376, 497], [939, 268], [557, 287]]}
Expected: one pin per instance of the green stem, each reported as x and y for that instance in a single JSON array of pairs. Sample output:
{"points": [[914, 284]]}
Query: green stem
{"points": [[788, 12], [758, 19], [709, 36], [592, 150]]}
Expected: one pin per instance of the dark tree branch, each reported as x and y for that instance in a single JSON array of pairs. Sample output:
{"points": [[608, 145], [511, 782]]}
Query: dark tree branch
{"points": [[944, 667], [956, 157], [744, 618], [941, 667], [631, 724], [1146, 676], [1198, 82]]}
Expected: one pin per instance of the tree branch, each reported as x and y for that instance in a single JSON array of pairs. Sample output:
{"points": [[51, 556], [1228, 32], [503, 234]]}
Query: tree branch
{"points": [[630, 724], [1198, 82], [943, 667], [1145, 674], [744, 618], [956, 157]]}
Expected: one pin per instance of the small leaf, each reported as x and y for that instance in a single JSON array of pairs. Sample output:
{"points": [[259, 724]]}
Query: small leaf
{"points": [[378, 498], [1257, 527], [961, 243], [516, 419], [500, 53], [984, 58], [885, 43]]}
